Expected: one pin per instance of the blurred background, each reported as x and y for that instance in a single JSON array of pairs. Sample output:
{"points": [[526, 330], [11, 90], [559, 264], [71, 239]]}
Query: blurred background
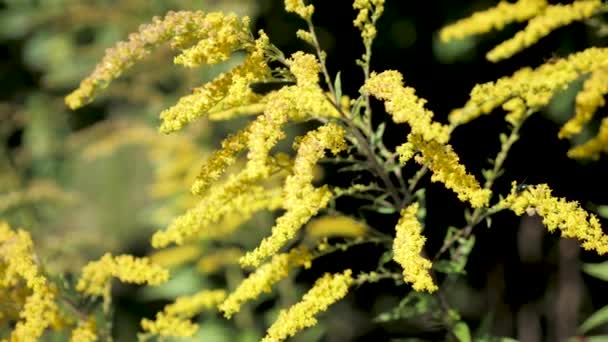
{"points": [[102, 179]]}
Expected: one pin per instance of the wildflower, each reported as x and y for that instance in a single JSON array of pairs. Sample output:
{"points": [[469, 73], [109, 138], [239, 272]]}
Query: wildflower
{"points": [[552, 17], [494, 18], [403, 104], [86, 331], [212, 262], [326, 290], [557, 213], [366, 21], [262, 279], [96, 275], [444, 163], [302, 200], [305, 68], [298, 7], [535, 87], [175, 256], [516, 108], [407, 247], [181, 28], [588, 101], [174, 320], [594, 146], [18, 263], [342, 226]]}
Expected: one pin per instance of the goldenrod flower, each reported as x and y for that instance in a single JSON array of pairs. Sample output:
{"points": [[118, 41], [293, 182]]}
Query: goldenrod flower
{"points": [[588, 100], [403, 104], [407, 247], [175, 256], [174, 320], [444, 163], [34, 193], [594, 146], [326, 290], [298, 7], [516, 110], [535, 87], [231, 87], [329, 226], [18, 263], [369, 12], [181, 28], [557, 213], [553, 17], [494, 18], [305, 68], [96, 275], [302, 200], [262, 279], [86, 331], [214, 261]]}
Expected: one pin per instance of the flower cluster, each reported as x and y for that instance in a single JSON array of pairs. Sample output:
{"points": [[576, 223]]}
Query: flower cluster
{"points": [[369, 12], [407, 247], [329, 226], [557, 213]]}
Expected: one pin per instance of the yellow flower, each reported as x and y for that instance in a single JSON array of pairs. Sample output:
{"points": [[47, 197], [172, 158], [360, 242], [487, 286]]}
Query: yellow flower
{"points": [[212, 262], [17, 263], [34, 193], [553, 17], [326, 290], [262, 279], [181, 28], [305, 68], [328, 226], [403, 104], [593, 147], [535, 87], [302, 200], [174, 320], [96, 275], [588, 100], [175, 256], [494, 18], [557, 213], [366, 21], [298, 7], [407, 247], [86, 331], [444, 163]]}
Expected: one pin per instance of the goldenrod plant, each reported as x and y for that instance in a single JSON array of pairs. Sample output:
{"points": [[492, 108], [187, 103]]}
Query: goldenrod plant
{"points": [[266, 93]]}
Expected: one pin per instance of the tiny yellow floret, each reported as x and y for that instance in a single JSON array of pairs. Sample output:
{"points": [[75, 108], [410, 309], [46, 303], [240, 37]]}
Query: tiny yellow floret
{"points": [[298, 7], [86, 331]]}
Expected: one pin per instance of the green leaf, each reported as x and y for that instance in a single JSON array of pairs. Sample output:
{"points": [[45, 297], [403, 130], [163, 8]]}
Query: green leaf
{"points": [[462, 332], [599, 270], [598, 338], [413, 306], [449, 266], [378, 134], [602, 210], [338, 87], [386, 210], [598, 318]]}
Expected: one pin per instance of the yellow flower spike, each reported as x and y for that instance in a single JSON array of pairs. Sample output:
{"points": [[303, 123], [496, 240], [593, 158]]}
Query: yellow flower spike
{"points": [[174, 320], [535, 86], [181, 28], [494, 18], [557, 213], [175, 256], [221, 159], [298, 7], [302, 200], [17, 262], [329, 226], [369, 12], [403, 104], [213, 262], [86, 331], [228, 89], [588, 100], [263, 278], [226, 34], [593, 147], [407, 247], [553, 17], [444, 163], [516, 109], [326, 291], [305, 68], [96, 275]]}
